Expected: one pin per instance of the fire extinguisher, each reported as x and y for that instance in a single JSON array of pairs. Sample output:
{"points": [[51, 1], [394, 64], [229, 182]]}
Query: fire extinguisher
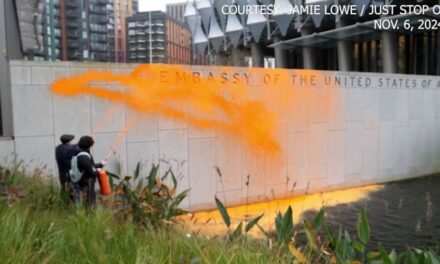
{"points": [[104, 183]]}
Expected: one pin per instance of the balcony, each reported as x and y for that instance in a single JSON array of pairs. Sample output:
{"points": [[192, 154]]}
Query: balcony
{"points": [[73, 44], [97, 10], [100, 19], [71, 24], [140, 24], [99, 2], [98, 28], [73, 55], [101, 39], [72, 13], [98, 47], [72, 33], [71, 4]]}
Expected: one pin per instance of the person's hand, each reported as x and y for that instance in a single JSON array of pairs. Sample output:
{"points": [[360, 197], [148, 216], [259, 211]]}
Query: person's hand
{"points": [[104, 162]]}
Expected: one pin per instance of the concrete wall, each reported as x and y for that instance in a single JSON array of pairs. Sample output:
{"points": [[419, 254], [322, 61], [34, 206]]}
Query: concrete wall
{"points": [[376, 133]]}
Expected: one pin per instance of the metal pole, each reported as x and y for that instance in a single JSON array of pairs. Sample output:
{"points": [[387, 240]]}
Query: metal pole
{"points": [[309, 58], [390, 52], [280, 54], [151, 36], [345, 51], [257, 51]]}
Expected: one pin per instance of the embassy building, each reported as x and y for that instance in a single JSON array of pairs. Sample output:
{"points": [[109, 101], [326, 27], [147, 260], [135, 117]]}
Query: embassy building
{"points": [[373, 36]]}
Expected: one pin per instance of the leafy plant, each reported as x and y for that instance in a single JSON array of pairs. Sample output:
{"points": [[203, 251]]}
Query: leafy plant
{"points": [[284, 226], [152, 204], [37, 228], [227, 220]]}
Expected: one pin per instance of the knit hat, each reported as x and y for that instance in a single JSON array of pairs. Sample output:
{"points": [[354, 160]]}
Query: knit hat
{"points": [[66, 138], [85, 142]]}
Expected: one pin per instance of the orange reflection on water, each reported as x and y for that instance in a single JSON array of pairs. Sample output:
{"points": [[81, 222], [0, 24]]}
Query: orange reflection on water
{"points": [[211, 223]]}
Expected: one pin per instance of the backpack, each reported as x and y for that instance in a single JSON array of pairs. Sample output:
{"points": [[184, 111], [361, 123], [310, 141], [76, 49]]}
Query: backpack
{"points": [[75, 174]]}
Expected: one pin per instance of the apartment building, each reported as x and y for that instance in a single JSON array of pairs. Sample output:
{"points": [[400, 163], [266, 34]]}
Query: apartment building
{"points": [[122, 10], [176, 11], [77, 29], [155, 37]]}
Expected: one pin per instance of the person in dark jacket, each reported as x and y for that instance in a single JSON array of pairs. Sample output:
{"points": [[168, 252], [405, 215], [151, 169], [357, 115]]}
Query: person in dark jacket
{"points": [[63, 154], [88, 167]]}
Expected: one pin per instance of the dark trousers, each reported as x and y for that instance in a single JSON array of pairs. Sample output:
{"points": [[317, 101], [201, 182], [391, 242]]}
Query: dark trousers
{"points": [[85, 193], [91, 193], [66, 188]]}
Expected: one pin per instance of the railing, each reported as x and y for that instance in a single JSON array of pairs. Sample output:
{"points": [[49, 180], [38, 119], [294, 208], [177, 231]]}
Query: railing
{"points": [[98, 28], [72, 13], [98, 9], [98, 19], [73, 44], [71, 4], [73, 55], [99, 2], [72, 25], [73, 33]]}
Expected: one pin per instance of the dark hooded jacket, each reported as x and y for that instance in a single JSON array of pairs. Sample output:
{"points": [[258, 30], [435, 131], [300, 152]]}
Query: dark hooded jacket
{"points": [[63, 155], [88, 166]]}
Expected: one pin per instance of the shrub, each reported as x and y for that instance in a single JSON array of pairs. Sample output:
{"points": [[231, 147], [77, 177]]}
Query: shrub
{"points": [[152, 203]]}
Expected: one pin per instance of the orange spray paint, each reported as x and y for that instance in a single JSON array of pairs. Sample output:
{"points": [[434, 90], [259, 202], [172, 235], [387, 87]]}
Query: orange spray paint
{"points": [[107, 116], [250, 105], [119, 138]]}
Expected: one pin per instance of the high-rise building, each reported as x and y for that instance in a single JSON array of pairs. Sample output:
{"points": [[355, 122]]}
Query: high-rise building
{"points": [[176, 11], [122, 10], [77, 29], [154, 37], [360, 41], [30, 15]]}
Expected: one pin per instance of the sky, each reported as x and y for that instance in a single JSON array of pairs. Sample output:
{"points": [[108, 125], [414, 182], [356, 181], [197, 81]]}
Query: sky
{"points": [[148, 5]]}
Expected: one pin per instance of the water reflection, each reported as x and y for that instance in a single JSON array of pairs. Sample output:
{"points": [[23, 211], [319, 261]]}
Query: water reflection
{"points": [[401, 215]]}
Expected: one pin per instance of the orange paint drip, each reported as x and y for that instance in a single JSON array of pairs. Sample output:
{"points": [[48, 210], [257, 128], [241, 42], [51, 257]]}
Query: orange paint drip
{"points": [[249, 104], [119, 138]]}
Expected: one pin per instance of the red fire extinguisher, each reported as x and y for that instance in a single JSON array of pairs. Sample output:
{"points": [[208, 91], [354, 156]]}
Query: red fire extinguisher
{"points": [[104, 183]]}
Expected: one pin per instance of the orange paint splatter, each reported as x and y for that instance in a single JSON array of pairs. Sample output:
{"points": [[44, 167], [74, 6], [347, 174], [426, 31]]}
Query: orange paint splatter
{"points": [[249, 104]]}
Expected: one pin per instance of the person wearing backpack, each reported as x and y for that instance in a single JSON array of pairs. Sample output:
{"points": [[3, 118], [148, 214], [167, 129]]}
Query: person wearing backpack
{"points": [[84, 170], [63, 155]]}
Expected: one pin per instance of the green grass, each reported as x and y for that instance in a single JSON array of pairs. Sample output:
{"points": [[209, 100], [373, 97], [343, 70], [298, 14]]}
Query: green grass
{"points": [[39, 228], [65, 236]]}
